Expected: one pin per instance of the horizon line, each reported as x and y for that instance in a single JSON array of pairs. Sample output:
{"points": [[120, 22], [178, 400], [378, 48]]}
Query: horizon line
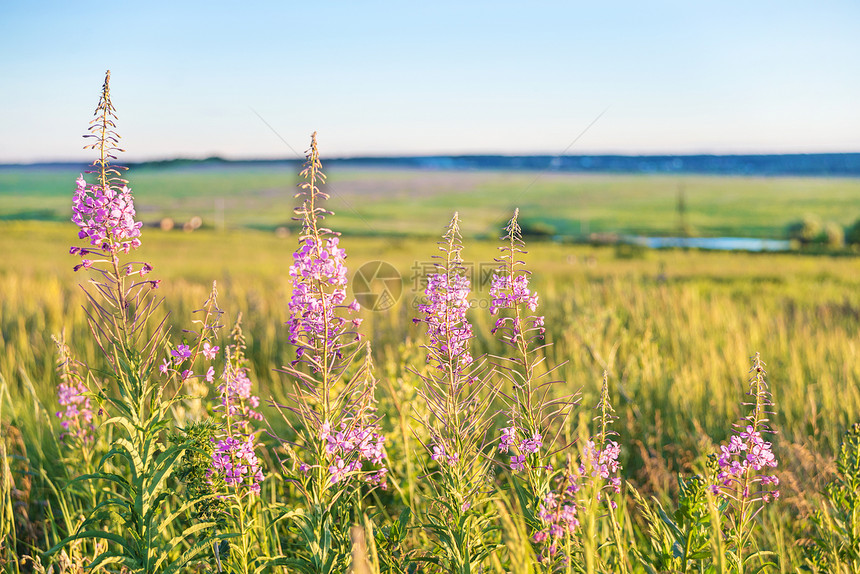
{"points": [[392, 157]]}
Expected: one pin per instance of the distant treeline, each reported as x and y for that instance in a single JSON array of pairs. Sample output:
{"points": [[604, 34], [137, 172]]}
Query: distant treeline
{"points": [[817, 164]]}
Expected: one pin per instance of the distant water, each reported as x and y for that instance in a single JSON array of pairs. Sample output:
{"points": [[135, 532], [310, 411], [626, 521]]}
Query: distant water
{"points": [[715, 243]]}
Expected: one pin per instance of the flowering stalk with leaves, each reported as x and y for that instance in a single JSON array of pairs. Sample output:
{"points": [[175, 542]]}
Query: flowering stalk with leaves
{"points": [[236, 472], [595, 479], [744, 477], [120, 311], [535, 417], [336, 448], [462, 515]]}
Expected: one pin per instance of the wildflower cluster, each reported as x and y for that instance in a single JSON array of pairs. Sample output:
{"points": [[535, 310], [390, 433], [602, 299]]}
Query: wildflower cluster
{"points": [[561, 510], [746, 451], [528, 445], [744, 462], [359, 438], [335, 449], [558, 512], [743, 477], [350, 447], [104, 211], [507, 292], [528, 413], [445, 316], [234, 459], [509, 289], [136, 473], [336, 446], [237, 402], [106, 217], [456, 422], [77, 417], [599, 467], [319, 277], [234, 456]]}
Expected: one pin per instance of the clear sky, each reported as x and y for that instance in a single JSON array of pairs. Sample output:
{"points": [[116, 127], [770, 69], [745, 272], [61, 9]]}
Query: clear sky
{"points": [[239, 79]]}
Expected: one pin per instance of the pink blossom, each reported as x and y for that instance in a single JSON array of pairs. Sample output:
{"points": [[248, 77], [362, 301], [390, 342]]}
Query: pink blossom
{"points": [[209, 351], [319, 278], [181, 353], [77, 416], [106, 217], [445, 317]]}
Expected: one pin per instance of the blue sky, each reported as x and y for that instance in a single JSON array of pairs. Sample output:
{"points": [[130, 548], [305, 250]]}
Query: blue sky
{"points": [[197, 79]]}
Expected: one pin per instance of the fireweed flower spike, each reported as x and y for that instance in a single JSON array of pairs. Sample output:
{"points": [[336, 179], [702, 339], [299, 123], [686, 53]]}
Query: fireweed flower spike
{"points": [[77, 414], [567, 515], [336, 445], [319, 278], [535, 417], [745, 476], [444, 312], [104, 211], [224, 472], [458, 400], [599, 455], [531, 415], [234, 457], [138, 468]]}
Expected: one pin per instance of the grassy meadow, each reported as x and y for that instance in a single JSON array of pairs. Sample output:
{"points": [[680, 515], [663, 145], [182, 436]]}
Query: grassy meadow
{"points": [[675, 330], [374, 202]]}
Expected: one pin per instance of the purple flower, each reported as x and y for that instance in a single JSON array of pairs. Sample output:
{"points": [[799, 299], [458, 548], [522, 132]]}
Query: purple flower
{"points": [[746, 453], [105, 216], [338, 470], [509, 289], [507, 293], [209, 351], [237, 401], [558, 515], [445, 315], [341, 427], [600, 463], [441, 454], [744, 461], [509, 437], [319, 278], [518, 462], [181, 353], [77, 417], [532, 445], [357, 441], [235, 460]]}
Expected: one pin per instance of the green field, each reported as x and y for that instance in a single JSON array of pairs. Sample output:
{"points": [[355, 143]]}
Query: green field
{"points": [[675, 330], [415, 202]]}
